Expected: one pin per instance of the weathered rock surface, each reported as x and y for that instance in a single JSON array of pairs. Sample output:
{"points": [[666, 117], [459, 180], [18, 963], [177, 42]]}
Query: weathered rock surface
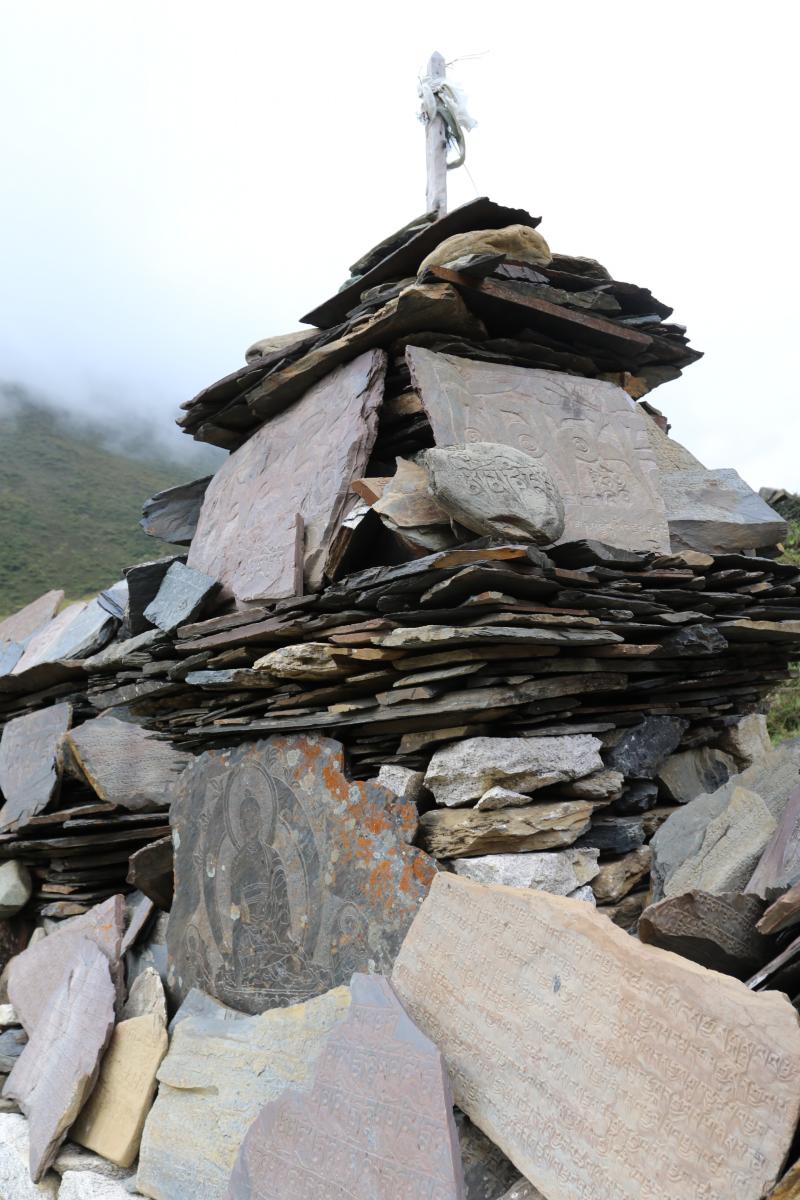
{"points": [[21, 625], [146, 996], [615, 835], [15, 1180], [79, 630], [344, 1132], [112, 1119], [86, 1185], [716, 512], [180, 598], [603, 785], [641, 750], [681, 835], [466, 770], [151, 870], [523, 1191], [172, 515], [748, 740], [497, 491], [297, 467], [779, 866], [501, 797], [57, 1069], [684, 777], [783, 913], [38, 974], [560, 872], [732, 845], [29, 766], [85, 1162], [460, 833], [569, 1044], [15, 887], [124, 764], [590, 434], [219, 1073], [616, 877], [402, 781], [789, 1186], [487, 1171], [719, 932], [307, 660], [306, 876], [517, 241]]}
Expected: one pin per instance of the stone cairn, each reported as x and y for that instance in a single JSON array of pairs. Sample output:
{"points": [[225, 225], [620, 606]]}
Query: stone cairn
{"points": [[392, 793]]}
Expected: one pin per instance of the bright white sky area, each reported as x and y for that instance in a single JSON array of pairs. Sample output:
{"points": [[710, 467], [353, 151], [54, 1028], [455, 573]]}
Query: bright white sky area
{"points": [[181, 177]]}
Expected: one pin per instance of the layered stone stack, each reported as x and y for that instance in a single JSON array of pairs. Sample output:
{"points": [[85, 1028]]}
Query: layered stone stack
{"points": [[462, 647]]}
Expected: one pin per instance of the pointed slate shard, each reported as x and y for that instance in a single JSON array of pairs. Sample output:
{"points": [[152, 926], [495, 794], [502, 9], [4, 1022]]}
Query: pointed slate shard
{"points": [[719, 932], [306, 877], [124, 764], [115, 599], [779, 866], [22, 625], [590, 433], [112, 1120], [487, 1171], [181, 597], [569, 1043], [138, 911], [716, 512], [146, 997], [143, 581], [29, 763], [302, 462], [151, 871], [172, 515], [36, 975], [220, 1071], [57, 1069], [377, 1120], [81, 629]]}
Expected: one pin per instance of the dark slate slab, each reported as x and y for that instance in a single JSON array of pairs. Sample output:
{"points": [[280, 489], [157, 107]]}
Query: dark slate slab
{"points": [[151, 871], [143, 581], [641, 750], [614, 835], [376, 1121], [288, 877], [57, 1069], [172, 515], [79, 630], [181, 597], [29, 763]]}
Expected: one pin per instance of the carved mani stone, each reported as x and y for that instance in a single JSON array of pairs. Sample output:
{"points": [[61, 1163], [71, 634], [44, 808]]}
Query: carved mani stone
{"points": [[56, 1071], [376, 1121], [302, 462], [124, 764], [571, 1045], [718, 932], [36, 975], [221, 1069], [29, 763], [288, 877], [590, 434]]}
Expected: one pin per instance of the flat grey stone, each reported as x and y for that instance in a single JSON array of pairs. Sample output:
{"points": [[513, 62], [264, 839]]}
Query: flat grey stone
{"points": [[716, 512], [217, 1076], [496, 490], [172, 515], [405, 783], [592, 437], [466, 770], [559, 872], [144, 580], [146, 996], [30, 767], [732, 844], [15, 887], [774, 778], [15, 1180], [778, 868], [12, 1043], [125, 764], [180, 598], [78, 631], [747, 740], [692, 773]]}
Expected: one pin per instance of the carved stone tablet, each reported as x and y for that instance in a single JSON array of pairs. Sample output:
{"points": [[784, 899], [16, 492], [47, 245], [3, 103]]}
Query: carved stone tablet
{"points": [[172, 514], [302, 461], [29, 770], [601, 1067], [288, 877], [37, 974], [79, 630], [376, 1121], [113, 1117], [125, 764], [180, 598], [497, 490], [221, 1069], [57, 1069], [588, 433], [718, 932]]}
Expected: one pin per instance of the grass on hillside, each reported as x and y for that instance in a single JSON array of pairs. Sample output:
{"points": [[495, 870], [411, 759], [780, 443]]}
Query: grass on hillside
{"points": [[783, 717]]}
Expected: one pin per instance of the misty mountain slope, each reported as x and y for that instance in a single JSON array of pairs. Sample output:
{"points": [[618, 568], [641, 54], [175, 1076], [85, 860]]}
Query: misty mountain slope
{"points": [[69, 505]]}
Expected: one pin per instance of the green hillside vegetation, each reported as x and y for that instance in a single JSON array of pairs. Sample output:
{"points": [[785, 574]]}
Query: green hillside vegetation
{"points": [[784, 709], [71, 505]]}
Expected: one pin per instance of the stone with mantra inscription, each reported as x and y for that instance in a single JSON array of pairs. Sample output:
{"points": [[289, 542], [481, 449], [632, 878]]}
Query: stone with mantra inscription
{"points": [[288, 876], [375, 1124], [602, 1067], [124, 763], [37, 974], [301, 462], [57, 1069], [496, 490], [589, 433], [112, 1120], [719, 932], [29, 763], [221, 1069]]}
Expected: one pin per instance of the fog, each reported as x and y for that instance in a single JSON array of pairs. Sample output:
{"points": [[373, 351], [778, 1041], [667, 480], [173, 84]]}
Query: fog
{"points": [[181, 178]]}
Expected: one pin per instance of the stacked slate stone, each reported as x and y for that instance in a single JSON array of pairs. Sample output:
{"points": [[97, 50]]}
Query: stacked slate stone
{"points": [[462, 648]]}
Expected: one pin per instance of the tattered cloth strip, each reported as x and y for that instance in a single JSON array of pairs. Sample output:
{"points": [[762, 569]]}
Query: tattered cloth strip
{"points": [[445, 100]]}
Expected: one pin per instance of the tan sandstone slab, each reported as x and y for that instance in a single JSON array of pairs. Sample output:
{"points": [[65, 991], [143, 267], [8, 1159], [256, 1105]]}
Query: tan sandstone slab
{"points": [[29, 767], [589, 433], [463, 833], [377, 1121], [300, 464], [57, 1069], [601, 1067], [112, 1119]]}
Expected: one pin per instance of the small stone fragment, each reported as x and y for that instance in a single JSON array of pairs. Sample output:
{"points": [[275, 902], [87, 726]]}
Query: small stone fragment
{"points": [[405, 783], [684, 777], [146, 996], [619, 876], [465, 771], [719, 932], [748, 740], [15, 887], [500, 797], [602, 785], [641, 750], [448, 833]]}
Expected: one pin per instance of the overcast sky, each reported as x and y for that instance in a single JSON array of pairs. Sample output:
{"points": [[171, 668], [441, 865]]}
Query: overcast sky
{"points": [[180, 177]]}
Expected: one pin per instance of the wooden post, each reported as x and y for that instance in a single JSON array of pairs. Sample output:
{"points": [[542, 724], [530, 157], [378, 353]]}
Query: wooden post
{"points": [[436, 149]]}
